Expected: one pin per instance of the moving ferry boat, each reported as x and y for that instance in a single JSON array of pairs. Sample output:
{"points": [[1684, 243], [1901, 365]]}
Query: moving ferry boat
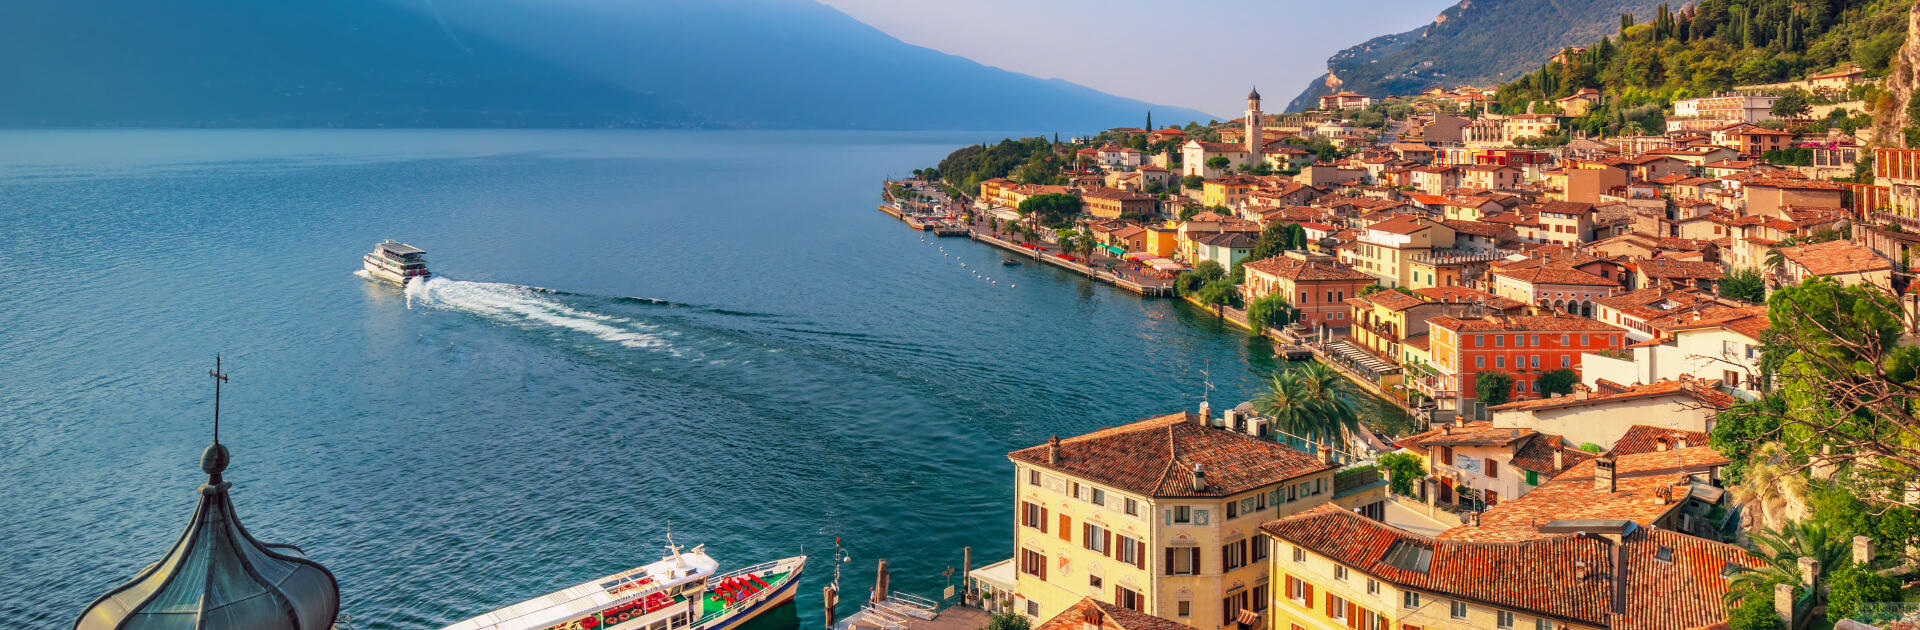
{"points": [[396, 262], [680, 592]]}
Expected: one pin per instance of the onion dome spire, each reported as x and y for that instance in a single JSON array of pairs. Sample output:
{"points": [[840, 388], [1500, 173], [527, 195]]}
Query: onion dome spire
{"points": [[217, 576], [1254, 95]]}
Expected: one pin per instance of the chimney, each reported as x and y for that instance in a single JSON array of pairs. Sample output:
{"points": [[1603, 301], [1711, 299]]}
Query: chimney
{"points": [[1206, 413], [1053, 450], [1199, 479], [1581, 391], [1579, 569], [1603, 474], [1446, 429], [1682, 442], [1229, 419], [1660, 443], [1559, 458], [1459, 421], [1092, 620]]}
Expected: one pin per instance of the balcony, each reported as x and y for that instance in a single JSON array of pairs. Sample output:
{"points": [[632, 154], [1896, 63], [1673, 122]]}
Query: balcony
{"points": [[1458, 257]]}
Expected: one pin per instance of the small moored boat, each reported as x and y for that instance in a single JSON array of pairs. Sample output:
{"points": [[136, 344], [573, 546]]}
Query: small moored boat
{"points": [[396, 262], [1009, 262], [682, 591]]}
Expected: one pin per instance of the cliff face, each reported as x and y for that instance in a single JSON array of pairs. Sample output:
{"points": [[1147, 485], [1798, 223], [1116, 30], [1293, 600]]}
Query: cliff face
{"points": [[1475, 42], [1901, 81]]}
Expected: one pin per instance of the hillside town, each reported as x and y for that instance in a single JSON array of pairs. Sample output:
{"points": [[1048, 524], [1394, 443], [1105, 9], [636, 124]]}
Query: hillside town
{"points": [[1571, 317]]}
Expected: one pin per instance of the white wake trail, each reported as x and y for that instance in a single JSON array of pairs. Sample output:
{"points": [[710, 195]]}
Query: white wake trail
{"points": [[527, 307]]}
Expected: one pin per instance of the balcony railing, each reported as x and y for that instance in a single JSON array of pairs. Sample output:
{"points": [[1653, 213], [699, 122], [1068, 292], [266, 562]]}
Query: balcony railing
{"points": [[1458, 257]]}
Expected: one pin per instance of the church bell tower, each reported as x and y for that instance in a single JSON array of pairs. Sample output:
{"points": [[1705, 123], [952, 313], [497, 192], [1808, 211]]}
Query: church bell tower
{"points": [[1255, 139]]}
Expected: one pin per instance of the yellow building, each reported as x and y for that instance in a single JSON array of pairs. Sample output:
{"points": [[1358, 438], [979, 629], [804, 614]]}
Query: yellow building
{"points": [[1336, 570], [1386, 248], [1163, 240], [1160, 516], [1226, 192]]}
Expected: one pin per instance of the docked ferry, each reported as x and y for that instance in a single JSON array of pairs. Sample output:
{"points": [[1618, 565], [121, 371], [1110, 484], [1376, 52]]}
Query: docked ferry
{"points": [[396, 262], [683, 591]]}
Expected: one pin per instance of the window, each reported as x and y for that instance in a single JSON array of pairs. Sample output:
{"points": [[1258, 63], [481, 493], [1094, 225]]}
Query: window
{"points": [[1096, 538], [1458, 609], [1583, 340], [1504, 619], [1566, 361], [1542, 624], [1066, 527], [1099, 497], [1479, 341], [1299, 555], [1093, 581], [1729, 378], [1519, 341], [1563, 340], [1076, 489], [1230, 607], [1033, 563], [1033, 516], [1033, 608], [1493, 468], [1499, 341], [1033, 477], [1259, 548], [1535, 362], [1184, 608], [1259, 603], [1133, 507], [1373, 586], [1233, 555], [1535, 342], [1183, 561], [1339, 572], [1260, 501], [1233, 509], [1409, 599], [1499, 362], [1131, 551], [1446, 455], [1479, 361], [1336, 607], [1182, 514]]}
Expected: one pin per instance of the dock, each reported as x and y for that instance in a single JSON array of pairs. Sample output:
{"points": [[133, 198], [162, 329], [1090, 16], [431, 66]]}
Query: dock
{"points": [[1154, 290], [896, 613]]}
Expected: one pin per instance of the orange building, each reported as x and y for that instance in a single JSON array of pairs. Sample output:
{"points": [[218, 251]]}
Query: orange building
{"points": [[1524, 347]]}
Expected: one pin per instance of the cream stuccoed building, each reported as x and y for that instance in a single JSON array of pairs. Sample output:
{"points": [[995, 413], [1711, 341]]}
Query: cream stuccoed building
{"points": [[1160, 516]]}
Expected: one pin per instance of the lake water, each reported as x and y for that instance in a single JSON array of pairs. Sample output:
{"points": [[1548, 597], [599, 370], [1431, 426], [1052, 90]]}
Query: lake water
{"points": [[713, 331]]}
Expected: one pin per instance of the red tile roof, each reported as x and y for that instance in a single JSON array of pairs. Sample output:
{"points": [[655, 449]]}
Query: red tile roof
{"points": [[1403, 224], [1641, 438], [1480, 433], [1524, 323], [1555, 275], [1156, 457], [1701, 391], [1107, 617], [1639, 480], [1835, 257], [1298, 270]]}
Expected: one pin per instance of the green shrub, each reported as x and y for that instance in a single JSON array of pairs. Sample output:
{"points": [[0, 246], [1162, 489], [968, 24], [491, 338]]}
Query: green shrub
{"points": [[1856, 584]]}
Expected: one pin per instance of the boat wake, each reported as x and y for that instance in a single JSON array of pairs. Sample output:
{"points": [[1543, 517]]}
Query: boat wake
{"points": [[529, 307]]}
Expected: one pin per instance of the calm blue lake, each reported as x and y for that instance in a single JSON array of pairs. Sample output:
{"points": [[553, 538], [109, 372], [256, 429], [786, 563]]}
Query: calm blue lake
{"points": [[712, 331]]}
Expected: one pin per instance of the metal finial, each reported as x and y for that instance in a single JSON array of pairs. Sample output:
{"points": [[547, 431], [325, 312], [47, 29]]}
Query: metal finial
{"points": [[218, 379]]}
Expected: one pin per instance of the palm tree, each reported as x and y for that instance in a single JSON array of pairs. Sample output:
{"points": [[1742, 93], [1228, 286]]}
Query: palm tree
{"points": [[1771, 487], [1781, 549], [1286, 402], [1336, 415]]}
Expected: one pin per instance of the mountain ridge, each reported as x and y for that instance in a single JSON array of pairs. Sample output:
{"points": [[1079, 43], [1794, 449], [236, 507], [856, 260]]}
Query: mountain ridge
{"points": [[1474, 42], [499, 63]]}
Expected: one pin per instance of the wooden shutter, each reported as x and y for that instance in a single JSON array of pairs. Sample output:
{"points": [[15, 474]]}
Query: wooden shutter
{"points": [[1043, 520], [1329, 596], [1194, 553], [1043, 566], [1169, 570], [1307, 595], [1493, 468], [1066, 528], [1493, 498], [1106, 544], [1140, 558], [1353, 615]]}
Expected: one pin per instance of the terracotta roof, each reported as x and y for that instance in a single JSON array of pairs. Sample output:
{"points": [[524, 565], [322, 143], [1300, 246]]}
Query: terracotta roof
{"points": [[1233, 240], [1555, 275], [1476, 228], [1638, 479], [1701, 391], [1537, 455], [1795, 184], [1417, 341], [1156, 456], [1749, 321], [1464, 295], [1537, 576], [1479, 433], [1524, 323], [1835, 257], [1403, 224], [1393, 300], [1297, 270], [1641, 438], [1107, 617], [1656, 268]]}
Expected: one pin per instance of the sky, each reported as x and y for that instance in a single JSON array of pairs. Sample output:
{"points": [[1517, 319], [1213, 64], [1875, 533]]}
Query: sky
{"points": [[1201, 54]]}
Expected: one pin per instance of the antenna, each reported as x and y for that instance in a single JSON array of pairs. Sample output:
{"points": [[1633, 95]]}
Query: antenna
{"points": [[1206, 380]]}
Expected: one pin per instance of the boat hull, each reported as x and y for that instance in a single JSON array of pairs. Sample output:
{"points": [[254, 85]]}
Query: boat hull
{"points": [[383, 273]]}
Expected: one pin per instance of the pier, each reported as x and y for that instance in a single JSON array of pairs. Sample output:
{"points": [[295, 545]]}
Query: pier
{"points": [[1158, 289]]}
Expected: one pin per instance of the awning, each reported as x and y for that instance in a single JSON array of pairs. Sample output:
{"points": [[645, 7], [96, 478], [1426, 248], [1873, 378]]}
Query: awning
{"points": [[1167, 265], [1248, 618], [1114, 249]]}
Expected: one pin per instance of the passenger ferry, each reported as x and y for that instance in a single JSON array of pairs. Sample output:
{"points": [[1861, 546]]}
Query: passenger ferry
{"points": [[683, 591], [396, 262]]}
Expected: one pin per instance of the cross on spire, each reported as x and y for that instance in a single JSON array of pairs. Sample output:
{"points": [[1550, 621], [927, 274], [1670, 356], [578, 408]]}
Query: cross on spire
{"points": [[218, 378]]}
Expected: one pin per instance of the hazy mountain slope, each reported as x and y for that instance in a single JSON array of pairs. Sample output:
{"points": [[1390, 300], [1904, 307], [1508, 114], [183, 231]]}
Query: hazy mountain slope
{"points": [[1475, 42], [490, 63]]}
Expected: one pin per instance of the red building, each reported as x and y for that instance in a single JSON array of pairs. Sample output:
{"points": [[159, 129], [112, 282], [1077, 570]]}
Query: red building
{"points": [[1524, 347]]}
